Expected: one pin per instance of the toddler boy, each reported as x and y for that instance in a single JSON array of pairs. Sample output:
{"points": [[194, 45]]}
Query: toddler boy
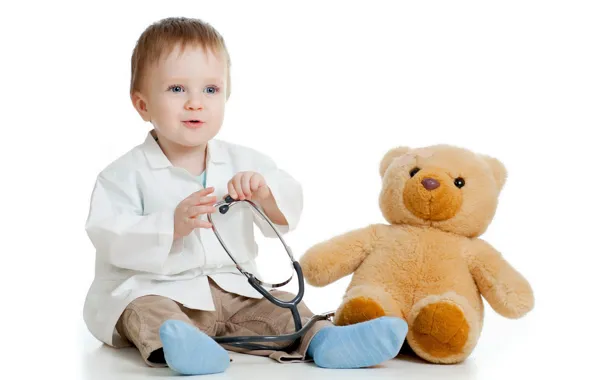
{"points": [[163, 283]]}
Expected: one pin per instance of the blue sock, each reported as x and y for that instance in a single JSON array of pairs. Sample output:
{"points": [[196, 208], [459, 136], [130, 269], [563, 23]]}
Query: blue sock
{"points": [[189, 351], [360, 345]]}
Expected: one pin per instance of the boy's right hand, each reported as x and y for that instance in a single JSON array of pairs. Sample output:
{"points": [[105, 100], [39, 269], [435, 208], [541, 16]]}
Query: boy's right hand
{"points": [[187, 212]]}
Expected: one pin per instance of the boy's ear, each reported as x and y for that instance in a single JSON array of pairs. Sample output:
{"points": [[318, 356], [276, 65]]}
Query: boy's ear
{"points": [[140, 104]]}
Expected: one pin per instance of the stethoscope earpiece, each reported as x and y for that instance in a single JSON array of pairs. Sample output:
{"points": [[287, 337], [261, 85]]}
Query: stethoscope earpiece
{"points": [[225, 207]]}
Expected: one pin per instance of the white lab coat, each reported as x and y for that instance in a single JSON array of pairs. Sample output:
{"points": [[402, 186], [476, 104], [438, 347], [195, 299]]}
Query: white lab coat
{"points": [[131, 221]]}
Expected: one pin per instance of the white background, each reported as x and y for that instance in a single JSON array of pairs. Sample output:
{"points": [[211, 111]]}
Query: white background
{"points": [[325, 88]]}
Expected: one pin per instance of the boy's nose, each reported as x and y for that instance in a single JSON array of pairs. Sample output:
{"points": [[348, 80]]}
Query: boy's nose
{"points": [[194, 104]]}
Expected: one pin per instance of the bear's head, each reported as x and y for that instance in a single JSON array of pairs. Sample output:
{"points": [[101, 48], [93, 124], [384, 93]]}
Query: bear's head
{"points": [[442, 186]]}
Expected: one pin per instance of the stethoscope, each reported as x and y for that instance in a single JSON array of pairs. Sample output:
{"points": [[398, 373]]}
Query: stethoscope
{"points": [[245, 341]]}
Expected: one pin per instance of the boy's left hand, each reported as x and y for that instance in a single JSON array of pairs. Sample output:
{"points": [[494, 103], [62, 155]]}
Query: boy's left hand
{"points": [[248, 185]]}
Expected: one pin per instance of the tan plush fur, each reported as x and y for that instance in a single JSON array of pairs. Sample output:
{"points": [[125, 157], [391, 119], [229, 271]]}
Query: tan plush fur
{"points": [[428, 266]]}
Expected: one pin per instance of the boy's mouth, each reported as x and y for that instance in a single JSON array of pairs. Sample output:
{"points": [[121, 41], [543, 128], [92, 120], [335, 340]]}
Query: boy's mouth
{"points": [[193, 123]]}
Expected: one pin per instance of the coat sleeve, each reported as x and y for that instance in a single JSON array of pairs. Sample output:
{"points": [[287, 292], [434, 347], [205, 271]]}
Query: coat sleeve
{"points": [[287, 193], [119, 231]]}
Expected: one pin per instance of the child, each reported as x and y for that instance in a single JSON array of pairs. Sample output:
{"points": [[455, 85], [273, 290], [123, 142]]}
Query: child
{"points": [[162, 282]]}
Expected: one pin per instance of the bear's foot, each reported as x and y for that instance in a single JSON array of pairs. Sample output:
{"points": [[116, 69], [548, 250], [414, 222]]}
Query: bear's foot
{"points": [[363, 303], [443, 329], [359, 309]]}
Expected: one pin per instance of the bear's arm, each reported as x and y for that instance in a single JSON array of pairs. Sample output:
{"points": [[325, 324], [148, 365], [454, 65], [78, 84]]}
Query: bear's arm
{"points": [[337, 257], [505, 289]]}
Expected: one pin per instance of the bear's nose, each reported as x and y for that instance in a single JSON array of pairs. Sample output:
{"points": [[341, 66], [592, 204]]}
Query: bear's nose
{"points": [[430, 183]]}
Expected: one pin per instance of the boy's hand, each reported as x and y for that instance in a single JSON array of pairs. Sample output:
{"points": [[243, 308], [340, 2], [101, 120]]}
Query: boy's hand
{"points": [[248, 185], [187, 212]]}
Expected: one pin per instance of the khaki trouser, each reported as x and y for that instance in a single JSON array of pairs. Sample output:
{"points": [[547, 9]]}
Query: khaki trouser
{"points": [[234, 315]]}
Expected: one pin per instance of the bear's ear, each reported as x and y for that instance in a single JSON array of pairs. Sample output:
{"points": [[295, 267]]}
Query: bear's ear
{"points": [[390, 156], [498, 169]]}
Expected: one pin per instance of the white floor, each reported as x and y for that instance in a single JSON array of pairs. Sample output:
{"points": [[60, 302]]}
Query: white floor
{"points": [[528, 350], [100, 362]]}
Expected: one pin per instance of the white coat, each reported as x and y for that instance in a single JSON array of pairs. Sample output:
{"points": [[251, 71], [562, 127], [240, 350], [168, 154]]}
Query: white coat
{"points": [[131, 222]]}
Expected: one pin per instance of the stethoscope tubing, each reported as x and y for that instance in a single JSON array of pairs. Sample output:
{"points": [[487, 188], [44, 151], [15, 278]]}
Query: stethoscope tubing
{"points": [[244, 341]]}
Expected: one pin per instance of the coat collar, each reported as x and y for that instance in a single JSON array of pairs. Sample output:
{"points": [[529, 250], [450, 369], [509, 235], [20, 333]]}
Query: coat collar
{"points": [[216, 152]]}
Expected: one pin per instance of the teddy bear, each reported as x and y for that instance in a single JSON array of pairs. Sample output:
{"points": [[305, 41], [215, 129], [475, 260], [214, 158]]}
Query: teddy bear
{"points": [[428, 265]]}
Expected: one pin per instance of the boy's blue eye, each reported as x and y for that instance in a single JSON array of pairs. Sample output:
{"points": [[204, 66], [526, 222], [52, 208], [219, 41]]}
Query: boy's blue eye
{"points": [[211, 90], [175, 88]]}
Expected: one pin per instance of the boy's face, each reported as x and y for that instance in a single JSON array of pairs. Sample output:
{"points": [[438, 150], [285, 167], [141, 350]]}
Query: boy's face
{"points": [[184, 96]]}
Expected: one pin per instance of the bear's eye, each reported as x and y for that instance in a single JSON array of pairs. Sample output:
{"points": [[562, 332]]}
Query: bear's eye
{"points": [[414, 171], [459, 182]]}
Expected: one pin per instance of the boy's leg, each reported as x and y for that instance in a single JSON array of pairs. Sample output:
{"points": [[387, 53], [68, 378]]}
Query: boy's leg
{"points": [[140, 323], [166, 336]]}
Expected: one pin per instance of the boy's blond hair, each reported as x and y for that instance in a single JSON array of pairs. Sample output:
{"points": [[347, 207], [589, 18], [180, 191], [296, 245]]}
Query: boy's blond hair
{"points": [[160, 39]]}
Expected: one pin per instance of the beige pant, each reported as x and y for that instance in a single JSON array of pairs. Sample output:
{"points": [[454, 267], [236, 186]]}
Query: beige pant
{"points": [[234, 315]]}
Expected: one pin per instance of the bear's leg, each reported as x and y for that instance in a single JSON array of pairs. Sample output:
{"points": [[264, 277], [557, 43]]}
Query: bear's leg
{"points": [[443, 329], [365, 302]]}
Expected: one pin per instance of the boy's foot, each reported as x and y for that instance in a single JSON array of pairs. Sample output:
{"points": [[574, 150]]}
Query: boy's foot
{"points": [[360, 345], [189, 351]]}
